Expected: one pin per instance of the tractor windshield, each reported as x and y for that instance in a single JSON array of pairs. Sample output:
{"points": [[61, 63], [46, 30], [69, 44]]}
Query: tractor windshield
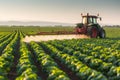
{"points": [[89, 20], [92, 20]]}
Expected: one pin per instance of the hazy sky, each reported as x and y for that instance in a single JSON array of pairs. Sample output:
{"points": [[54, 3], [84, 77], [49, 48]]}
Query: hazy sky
{"points": [[68, 11]]}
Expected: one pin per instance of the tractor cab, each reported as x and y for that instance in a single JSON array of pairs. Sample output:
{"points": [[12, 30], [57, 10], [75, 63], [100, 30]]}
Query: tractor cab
{"points": [[89, 19], [90, 26]]}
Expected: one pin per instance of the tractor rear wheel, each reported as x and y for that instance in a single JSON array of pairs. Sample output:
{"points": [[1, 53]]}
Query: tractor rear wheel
{"points": [[102, 33], [93, 32]]}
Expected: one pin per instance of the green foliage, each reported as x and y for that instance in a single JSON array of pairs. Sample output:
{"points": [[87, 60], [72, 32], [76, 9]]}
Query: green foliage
{"points": [[35, 29], [112, 32]]}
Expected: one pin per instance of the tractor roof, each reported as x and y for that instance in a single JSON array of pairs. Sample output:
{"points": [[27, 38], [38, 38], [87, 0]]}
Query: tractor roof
{"points": [[87, 15], [90, 16]]}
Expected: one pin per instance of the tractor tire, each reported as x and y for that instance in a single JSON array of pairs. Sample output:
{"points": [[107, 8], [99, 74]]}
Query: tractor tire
{"points": [[92, 32], [102, 33]]}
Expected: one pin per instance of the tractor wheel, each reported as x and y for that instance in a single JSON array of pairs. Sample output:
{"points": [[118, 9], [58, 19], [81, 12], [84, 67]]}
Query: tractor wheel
{"points": [[93, 32], [102, 33]]}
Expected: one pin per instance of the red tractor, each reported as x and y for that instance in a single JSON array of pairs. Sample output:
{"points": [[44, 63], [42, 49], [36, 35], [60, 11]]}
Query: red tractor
{"points": [[90, 27]]}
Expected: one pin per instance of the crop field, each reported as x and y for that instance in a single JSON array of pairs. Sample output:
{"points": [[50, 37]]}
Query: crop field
{"points": [[31, 30], [74, 59], [112, 32]]}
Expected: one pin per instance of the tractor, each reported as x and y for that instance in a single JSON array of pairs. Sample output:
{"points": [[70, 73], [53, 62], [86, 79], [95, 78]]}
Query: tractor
{"points": [[90, 27]]}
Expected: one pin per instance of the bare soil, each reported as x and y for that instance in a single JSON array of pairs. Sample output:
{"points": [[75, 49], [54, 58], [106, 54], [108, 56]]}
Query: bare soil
{"points": [[39, 38]]}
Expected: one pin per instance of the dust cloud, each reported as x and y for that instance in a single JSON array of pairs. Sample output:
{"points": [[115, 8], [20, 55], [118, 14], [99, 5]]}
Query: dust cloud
{"points": [[39, 38]]}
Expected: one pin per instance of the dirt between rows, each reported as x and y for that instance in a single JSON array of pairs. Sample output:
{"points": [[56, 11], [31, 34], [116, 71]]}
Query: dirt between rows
{"points": [[39, 38]]}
